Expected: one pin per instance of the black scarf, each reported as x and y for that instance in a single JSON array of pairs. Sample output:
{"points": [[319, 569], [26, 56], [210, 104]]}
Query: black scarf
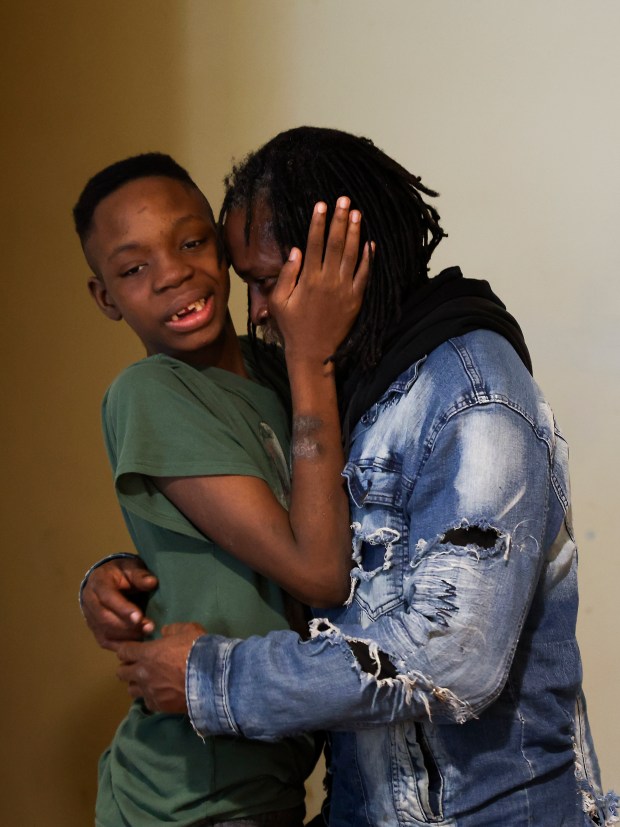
{"points": [[448, 305]]}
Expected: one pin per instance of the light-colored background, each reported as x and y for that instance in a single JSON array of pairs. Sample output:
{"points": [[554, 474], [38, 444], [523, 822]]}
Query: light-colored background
{"points": [[508, 107]]}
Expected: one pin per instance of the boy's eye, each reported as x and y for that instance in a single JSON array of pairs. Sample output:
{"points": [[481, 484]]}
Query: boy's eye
{"points": [[133, 270], [191, 245]]}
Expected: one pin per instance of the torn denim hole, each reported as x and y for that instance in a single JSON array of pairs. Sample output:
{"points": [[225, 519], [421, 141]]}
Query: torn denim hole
{"points": [[380, 536], [322, 626], [372, 664], [434, 597], [479, 540], [603, 810]]}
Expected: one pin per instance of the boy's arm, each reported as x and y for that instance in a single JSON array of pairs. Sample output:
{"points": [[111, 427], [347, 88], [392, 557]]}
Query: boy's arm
{"points": [[309, 552], [308, 549]]}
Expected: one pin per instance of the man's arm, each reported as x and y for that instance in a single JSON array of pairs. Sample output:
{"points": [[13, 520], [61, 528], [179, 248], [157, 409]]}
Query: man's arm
{"points": [[447, 650], [157, 673]]}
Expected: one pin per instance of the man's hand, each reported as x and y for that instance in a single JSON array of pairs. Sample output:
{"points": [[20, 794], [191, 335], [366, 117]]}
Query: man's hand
{"points": [[108, 601], [155, 670]]}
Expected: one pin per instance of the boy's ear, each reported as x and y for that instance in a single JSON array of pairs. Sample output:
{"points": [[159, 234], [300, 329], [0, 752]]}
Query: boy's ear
{"points": [[99, 293]]}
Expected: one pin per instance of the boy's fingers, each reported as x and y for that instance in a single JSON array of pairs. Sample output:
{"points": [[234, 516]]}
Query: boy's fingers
{"points": [[363, 271], [111, 633], [118, 604], [337, 234], [141, 579], [316, 238], [128, 572], [111, 592], [147, 626], [287, 278], [350, 253]]}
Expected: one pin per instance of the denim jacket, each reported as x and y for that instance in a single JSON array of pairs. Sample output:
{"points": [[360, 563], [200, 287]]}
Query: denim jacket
{"points": [[451, 679]]}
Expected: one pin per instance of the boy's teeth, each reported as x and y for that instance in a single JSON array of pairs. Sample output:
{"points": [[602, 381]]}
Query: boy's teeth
{"points": [[197, 305]]}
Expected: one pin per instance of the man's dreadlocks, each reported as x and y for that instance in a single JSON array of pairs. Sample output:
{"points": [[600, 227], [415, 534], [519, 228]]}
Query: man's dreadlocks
{"points": [[297, 168]]}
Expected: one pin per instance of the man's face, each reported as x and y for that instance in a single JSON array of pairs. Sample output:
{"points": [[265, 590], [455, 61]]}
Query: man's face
{"points": [[154, 248], [258, 262]]}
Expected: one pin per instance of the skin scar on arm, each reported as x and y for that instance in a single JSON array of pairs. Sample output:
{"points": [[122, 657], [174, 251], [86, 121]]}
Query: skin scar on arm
{"points": [[305, 443]]}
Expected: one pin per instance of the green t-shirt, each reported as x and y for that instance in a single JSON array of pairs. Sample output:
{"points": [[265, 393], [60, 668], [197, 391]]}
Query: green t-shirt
{"points": [[164, 418]]}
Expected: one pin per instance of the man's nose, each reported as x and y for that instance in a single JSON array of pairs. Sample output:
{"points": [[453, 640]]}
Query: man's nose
{"points": [[259, 306], [172, 270]]}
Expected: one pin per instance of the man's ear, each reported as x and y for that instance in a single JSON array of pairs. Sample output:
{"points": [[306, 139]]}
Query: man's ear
{"points": [[99, 293]]}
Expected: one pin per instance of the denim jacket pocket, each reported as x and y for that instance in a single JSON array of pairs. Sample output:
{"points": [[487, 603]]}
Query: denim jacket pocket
{"points": [[379, 544], [419, 781]]}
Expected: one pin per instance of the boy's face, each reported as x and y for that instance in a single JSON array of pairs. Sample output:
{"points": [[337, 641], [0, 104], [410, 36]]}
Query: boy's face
{"points": [[258, 262], [153, 248]]}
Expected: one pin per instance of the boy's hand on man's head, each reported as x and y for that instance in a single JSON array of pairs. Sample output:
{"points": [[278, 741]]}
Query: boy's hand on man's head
{"points": [[155, 670], [109, 601], [316, 299]]}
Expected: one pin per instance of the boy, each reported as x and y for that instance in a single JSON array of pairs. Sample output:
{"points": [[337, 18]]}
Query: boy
{"points": [[198, 450]]}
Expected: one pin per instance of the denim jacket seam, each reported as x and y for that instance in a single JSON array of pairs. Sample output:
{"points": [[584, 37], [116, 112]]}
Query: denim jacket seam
{"points": [[400, 386], [440, 423], [515, 703], [464, 403], [465, 357], [213, 715], [467, 404], [224, 672], [404, 382], [451, 412], [526, 605], [559, 491]]}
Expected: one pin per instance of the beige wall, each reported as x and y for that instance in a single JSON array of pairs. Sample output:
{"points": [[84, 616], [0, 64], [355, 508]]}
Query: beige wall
{"points": [[508, 107]]}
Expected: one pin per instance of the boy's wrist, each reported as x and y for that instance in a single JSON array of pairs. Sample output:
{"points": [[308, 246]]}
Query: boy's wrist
{"points": [[304, 367], [120, 555]]}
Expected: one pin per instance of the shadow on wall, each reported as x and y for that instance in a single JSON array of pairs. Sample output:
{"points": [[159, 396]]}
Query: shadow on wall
{"points": [[85, 734], [83, 84]]}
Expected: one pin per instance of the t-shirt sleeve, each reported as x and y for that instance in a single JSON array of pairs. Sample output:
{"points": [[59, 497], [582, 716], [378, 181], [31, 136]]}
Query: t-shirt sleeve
{"points": [[162, 422]]}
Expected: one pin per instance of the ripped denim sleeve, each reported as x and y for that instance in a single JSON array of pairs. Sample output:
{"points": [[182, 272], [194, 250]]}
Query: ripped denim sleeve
{"points": [[443, 595], [464, 567], [434, 660], [447, 652]]}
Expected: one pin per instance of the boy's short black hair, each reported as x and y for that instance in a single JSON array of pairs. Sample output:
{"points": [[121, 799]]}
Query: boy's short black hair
{"points": [[109, 179]]}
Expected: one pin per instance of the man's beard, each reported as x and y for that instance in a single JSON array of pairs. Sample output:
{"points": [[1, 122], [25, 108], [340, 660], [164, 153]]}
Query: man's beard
{"points": [[271, 335]]}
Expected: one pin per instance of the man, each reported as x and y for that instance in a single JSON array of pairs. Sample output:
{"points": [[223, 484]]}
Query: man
{"points": [[451, 678]]}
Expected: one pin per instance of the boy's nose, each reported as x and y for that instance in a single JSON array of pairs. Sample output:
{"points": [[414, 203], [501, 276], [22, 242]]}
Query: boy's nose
{"points": [[172, 271]]}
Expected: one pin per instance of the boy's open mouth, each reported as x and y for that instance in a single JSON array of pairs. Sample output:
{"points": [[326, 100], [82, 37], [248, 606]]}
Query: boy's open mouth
{"points": [[194, 307]]}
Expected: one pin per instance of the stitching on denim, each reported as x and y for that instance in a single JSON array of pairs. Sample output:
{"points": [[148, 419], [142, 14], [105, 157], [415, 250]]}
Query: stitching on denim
{"points": [[226, 657]]}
